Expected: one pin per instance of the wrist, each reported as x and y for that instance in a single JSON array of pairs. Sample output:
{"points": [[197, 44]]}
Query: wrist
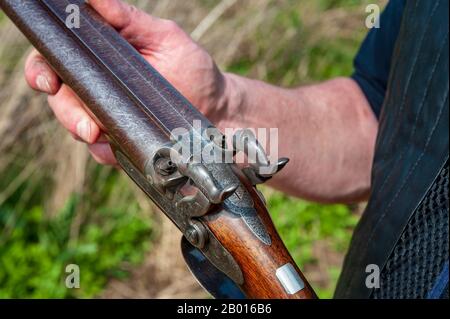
{"points": [[231, 102]]}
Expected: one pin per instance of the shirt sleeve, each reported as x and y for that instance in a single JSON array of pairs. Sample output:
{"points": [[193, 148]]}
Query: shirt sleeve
{"points": [[373, 61]]}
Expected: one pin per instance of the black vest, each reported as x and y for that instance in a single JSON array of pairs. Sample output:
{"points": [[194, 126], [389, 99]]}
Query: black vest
{"points": [[412, 144]]}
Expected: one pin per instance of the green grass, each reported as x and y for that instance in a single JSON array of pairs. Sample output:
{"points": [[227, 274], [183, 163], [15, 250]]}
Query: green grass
{"points": [[302, 225], [34, 257], [105, 244]]}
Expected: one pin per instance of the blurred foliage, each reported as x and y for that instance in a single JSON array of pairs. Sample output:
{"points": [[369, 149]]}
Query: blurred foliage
{"points": [[101, 225], [307, 49], [303, 224], [35, 249]]}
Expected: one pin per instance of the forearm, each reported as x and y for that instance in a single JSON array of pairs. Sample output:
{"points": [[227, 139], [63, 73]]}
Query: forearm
{"points": [[328, 131]]}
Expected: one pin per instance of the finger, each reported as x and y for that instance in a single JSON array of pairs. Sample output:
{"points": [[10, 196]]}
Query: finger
{"points": [[138, 27], [101, 139], [102, 153], [40, 75], [69, 110], [115, 12]]}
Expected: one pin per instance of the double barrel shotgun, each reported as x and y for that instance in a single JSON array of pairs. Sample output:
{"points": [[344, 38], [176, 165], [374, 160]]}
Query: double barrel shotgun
{"points": [[229, 243]]}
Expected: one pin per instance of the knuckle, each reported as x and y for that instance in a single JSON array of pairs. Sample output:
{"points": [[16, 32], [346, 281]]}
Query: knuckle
{"points": [[99, 160], [101, 153], [133, 13], [171, 25]]}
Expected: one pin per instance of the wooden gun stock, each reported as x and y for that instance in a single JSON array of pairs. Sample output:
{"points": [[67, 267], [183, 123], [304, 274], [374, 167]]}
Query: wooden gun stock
{"points": [[225, 218]]}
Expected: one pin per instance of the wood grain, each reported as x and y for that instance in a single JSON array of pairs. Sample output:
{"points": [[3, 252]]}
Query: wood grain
{"points": [[258, 261]]}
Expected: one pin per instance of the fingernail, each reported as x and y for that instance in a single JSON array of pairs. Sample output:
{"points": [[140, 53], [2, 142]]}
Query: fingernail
{"points": [[84, 130], [43, 84]]}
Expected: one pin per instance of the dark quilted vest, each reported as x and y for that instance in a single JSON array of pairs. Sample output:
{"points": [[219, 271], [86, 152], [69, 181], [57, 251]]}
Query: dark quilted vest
{"points": [[404, 229]]}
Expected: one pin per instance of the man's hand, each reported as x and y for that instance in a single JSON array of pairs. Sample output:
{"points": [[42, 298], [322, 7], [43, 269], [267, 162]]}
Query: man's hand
{"points": [[162, 43]]}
